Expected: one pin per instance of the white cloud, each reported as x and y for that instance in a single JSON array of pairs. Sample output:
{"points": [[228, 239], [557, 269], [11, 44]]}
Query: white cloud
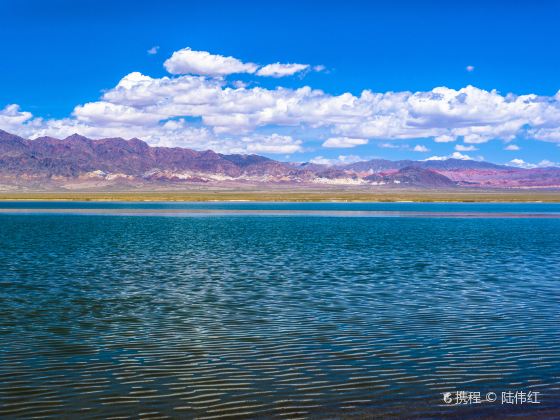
{"points": [[547, 163], [444, 138], [340, 160], [443, 114], [454, 155], [281, 70], [520, 163], [187, 61], [107, 114], [274, 143], [512, 147], [401, 146], [154, 50], [344, 142], [12, 119], [223, 112], [320, 160], [389, 145], [457, 155], [462, 148], [547, 134], [469, 68]]}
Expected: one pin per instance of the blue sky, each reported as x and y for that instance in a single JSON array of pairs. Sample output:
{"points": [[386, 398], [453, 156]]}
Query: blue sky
{"points": [[59, 55]]}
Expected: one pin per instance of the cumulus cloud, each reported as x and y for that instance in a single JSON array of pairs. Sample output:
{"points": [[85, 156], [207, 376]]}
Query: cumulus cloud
{"points": [[463, 148], [12, 118], [200, 106], [457, 155], [274, 143], [512, 147], [106, 114], [154, 50], [469, 68], [340, 160], [281, 70], [547, 163], [401, 146], [520, 163], [550, 134], [187, 61], [444, 138], [454, 155], [420, 148], [344, 142]]}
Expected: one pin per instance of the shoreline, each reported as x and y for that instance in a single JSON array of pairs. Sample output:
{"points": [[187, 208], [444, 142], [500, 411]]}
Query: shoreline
{"points": [[341, 196], [279, 213]]}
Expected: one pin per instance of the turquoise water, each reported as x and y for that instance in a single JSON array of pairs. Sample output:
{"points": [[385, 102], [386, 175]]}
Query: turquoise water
{"points": [[248, 316], [334, 206]]}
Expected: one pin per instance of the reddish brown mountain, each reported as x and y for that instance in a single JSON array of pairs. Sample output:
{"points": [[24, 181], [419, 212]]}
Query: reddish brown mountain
{"points": [[79, 162]]}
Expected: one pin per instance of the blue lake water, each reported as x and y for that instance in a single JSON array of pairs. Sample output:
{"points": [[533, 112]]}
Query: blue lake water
{"points": [[333, 206], [246, 316]]}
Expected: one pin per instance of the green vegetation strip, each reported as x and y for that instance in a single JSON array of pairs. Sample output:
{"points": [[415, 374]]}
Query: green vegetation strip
{"points": [[293, 196]]}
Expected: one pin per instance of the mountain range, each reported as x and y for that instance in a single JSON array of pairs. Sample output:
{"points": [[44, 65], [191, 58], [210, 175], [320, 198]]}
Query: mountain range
{"points": [[77, 162]]}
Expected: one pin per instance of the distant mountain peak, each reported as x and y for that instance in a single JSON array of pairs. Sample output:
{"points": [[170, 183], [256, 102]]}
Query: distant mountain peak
{"points": [[77, 161], [413, 176], [76, 137], [4, 135]]}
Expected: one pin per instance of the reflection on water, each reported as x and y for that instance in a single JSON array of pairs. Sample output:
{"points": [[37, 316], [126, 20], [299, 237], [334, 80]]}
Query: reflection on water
{"points": [[275, 317]]}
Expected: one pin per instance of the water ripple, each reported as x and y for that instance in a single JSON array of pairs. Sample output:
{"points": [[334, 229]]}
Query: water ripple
{"points": [[150, 317]]}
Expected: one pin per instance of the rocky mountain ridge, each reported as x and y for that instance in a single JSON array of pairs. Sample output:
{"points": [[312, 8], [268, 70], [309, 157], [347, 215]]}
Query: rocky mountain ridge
{"points": [[80, 162]]}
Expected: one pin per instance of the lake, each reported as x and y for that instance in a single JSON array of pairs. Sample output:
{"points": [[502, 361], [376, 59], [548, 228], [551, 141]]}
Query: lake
{"points": [[282, 310]]}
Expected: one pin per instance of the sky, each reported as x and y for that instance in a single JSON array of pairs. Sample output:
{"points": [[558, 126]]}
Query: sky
{"points": [[299, 80]]}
